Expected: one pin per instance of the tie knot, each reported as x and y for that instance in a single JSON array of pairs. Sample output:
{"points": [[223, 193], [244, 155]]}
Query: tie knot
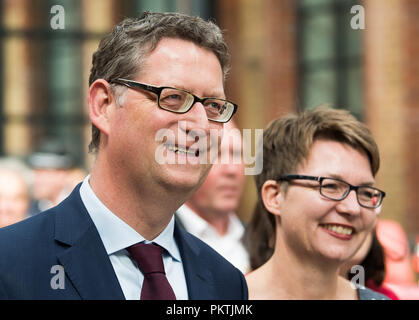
{"points": [[148, 257]]}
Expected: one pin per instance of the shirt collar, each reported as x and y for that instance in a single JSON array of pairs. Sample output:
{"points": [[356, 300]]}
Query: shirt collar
{"points": [[117, 235], [235, 227], [193, 222]]}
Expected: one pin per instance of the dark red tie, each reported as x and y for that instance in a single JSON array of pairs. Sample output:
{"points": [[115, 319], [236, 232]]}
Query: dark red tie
{"points": [[150, 261]]}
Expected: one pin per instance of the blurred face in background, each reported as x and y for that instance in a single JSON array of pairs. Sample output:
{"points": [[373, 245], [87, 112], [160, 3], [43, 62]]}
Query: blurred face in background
{"points": [[359, 256], [14, 198], [48, 183], [221, 191]]}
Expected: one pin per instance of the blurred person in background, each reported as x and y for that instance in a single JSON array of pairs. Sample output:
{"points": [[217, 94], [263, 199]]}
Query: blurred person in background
{"points": [[398, 260], [74, 177], [51, 164], [371, 258], [210, 213], [14, 192]]}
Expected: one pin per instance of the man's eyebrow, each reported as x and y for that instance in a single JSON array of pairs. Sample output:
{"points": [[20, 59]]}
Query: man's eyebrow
{"points": [[213, 94], [218, 95]]}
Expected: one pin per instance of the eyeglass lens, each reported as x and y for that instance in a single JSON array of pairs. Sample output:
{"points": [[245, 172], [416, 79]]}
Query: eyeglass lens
{"points": [[180, 101], [338, 190]]}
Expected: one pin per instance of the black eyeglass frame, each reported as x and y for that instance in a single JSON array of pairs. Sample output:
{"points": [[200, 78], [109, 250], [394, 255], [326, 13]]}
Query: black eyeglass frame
{"points": [[289, 177], [158, 90]]}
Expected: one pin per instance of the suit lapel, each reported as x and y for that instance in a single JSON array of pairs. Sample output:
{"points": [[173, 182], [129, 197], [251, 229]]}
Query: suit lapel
{"points": [[82, 253], [198, 277]]}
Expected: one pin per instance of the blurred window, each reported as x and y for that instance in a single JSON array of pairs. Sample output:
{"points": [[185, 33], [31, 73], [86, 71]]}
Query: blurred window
{"points": [[330, 55], [44, 70]]}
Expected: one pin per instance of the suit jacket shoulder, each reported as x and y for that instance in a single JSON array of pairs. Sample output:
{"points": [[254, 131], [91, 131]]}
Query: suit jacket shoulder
{"points": [[57, 254], [20, 253]]}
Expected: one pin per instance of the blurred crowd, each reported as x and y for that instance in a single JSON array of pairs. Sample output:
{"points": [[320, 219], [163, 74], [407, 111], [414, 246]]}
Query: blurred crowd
{"points": [[36, 183]]}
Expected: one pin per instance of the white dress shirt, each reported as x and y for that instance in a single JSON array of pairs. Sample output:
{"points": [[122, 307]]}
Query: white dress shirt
{"points": [[116, 236], [228, 245]]}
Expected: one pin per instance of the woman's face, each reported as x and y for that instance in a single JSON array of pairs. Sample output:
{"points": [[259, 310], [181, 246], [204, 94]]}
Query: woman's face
{"points": [[315, 227]]}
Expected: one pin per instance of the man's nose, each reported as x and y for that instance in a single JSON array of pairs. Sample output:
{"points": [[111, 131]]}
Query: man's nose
{"points": [[198, 116]]}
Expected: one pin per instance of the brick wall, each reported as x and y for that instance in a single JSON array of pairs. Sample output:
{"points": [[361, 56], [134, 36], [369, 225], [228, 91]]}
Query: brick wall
{"points": [[262, 39], [391, 105]]}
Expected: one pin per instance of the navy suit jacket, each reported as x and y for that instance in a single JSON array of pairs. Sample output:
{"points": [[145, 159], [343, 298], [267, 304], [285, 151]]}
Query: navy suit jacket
{"points": [[33, 251]]}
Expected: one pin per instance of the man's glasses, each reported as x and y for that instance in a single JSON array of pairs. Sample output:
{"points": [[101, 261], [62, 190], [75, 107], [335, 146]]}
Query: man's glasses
{"points": [[181, 101], [336, 189]]}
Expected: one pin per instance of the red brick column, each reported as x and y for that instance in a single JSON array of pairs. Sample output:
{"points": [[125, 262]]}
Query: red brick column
{"points": [[411, 85], [262, 39], [392, 104]]}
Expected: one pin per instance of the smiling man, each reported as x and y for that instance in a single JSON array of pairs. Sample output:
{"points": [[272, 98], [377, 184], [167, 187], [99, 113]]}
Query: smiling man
{"points": [[318, 201], [115, 236]]}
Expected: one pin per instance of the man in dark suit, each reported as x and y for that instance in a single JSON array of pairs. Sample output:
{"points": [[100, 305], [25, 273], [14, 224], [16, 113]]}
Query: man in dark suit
{"points": [[152, 132]]}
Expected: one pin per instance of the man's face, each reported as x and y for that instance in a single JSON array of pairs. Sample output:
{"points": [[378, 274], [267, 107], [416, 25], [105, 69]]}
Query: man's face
{"points": [[307, 217], [134, 126], [220, 193]]}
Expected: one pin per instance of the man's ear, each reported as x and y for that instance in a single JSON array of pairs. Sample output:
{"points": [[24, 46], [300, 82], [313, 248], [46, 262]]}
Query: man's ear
{"points": [[100, 100], [272, 196]]}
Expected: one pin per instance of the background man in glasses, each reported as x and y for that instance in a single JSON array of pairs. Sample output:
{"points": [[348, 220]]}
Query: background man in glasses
{"points": [[158, 72], [317, 203]]}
